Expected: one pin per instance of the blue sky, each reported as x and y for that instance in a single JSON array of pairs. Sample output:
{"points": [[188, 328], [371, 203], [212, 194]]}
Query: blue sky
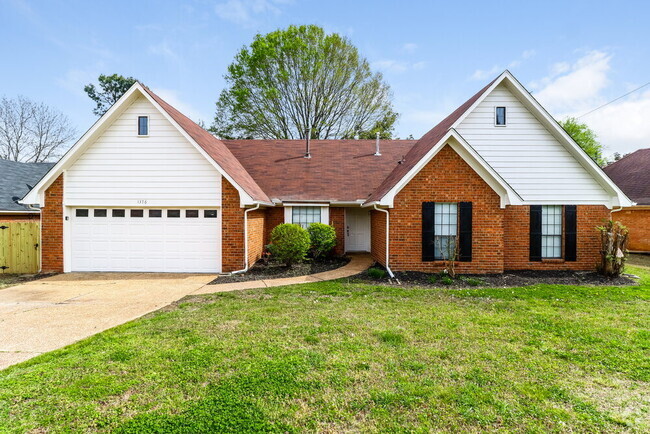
{"points": [[574, 56]]}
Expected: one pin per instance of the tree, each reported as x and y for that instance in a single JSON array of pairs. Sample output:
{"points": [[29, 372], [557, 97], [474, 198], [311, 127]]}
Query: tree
{"points": [[288, 81], [111, 88], [32, 131], [586, 138]]}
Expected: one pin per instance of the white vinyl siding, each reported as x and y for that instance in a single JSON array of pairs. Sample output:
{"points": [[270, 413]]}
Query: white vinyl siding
{"points": [[526, 154], [121, 169]]}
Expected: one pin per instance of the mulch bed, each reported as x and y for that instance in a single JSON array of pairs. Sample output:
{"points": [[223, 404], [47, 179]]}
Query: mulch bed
{"points": [[505, 280], [275, 270]]}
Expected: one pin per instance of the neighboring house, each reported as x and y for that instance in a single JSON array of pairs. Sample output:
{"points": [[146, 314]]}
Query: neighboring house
{"points": [[146, 189], [16, 179], [632, 174]]}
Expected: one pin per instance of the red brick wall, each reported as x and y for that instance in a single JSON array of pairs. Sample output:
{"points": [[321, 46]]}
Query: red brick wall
{"points": [[52, 228], [638, 222], [337, 220], [517, 240], [256, 233], [446, 178], [274, 217], [378, 236], [232, 219], [19, 217]]}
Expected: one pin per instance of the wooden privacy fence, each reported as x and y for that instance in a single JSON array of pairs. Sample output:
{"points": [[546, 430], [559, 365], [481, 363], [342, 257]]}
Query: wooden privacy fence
{"points": [[19, 247]]}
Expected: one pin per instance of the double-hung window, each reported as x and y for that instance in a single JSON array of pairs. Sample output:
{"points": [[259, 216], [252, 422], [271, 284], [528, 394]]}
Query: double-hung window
{"points": [[551, 231], [143, 126], [305, 215], [445, 230]]}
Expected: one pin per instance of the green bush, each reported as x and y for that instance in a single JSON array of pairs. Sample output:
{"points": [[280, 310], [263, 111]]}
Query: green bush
{"points": [[446, 280], [471, 281], [376, 273], [289, 243], [323, 239]]}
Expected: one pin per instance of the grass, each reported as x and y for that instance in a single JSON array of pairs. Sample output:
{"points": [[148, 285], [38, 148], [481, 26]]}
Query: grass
{"points": [[334, 356]]}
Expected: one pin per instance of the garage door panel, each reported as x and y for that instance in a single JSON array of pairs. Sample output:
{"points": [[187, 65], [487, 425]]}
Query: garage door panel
{"points": [[157, 244]]}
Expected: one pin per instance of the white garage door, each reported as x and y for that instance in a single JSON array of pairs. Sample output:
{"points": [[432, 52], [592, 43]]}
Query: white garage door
{"points": [[157, 240]]}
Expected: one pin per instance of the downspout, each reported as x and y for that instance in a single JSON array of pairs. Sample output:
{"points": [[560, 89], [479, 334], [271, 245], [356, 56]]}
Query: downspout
{"points": [[245, 269], [390, 272]]}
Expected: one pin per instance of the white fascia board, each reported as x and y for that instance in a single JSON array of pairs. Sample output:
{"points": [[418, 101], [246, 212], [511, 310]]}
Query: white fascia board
{"points": [[565, 139], [507, 195], [35, 195]]}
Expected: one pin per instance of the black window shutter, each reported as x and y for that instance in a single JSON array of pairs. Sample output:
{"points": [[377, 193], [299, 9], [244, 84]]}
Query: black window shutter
{"points": [[465, 231], [428, 231], [570, 232], [535, 232]]}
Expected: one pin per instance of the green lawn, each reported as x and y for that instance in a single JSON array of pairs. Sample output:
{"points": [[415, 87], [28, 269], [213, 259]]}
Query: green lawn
{"points": [[335, 356]]}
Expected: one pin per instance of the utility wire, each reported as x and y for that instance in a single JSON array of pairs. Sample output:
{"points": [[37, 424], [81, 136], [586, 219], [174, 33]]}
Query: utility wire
{"points": [[614, 100]]}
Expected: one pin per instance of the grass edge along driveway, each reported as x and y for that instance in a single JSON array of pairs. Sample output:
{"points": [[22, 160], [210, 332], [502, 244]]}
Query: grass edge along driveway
{"points": [[337, 356]]}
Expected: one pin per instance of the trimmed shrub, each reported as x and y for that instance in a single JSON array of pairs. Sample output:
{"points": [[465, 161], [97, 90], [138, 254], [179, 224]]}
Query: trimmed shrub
{"points": [[323, 239], [289, 243], [376, 273]]}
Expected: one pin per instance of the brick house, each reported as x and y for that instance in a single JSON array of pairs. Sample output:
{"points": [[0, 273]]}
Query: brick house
{"points": [[498, 181], [16, 179], [632, 174]]}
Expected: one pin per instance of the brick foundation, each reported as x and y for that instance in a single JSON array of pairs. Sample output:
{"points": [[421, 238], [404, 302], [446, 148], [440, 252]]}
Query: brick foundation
{"points": [[52, 228], [637, 221]]}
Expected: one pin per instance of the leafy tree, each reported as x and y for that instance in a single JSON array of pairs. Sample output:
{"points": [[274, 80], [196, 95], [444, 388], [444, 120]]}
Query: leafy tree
{"points": [[586, 138], [288, 81], [32, 131], [111, 88]]}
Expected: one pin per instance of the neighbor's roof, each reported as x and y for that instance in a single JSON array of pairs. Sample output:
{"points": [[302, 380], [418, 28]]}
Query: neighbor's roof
{"points": [[632, 174], [215, 148], [16, 180], [423, 146], [338, 170]]}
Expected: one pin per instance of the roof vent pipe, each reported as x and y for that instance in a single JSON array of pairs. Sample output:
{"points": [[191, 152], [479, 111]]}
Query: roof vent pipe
{"points": [[307, 150], [377, 153]]}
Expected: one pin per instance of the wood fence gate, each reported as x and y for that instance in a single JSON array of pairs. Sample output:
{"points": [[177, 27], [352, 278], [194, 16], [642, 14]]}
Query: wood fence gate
{"points": [[19, 247]]}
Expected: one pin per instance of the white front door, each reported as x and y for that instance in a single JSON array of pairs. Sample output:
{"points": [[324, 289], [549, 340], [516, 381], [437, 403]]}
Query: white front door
{"points": [[145, 240], [357, 230]]}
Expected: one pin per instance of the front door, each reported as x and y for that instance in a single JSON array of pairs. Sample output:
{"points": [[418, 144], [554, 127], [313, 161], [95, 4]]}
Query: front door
{"points": [[357, 230]]}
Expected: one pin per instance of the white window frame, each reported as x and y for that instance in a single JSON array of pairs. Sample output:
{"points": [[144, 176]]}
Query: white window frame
{"points": [[137, 125], [505, 113], [555, 236], [324, 212], [452, 227]]}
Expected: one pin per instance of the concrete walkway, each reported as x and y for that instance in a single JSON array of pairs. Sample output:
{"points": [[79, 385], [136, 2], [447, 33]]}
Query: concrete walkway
{"points": [[47, 314], [358, 263]]}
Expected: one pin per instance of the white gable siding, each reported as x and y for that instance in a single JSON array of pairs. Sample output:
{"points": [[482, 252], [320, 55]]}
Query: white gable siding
{"points": [[527, 155], [122, 169]]}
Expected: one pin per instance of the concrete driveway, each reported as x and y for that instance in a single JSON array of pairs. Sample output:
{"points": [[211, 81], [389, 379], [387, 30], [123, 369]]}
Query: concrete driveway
{"points": [[46, 314]]}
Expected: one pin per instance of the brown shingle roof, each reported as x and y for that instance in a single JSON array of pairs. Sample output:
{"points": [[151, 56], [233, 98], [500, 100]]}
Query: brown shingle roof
{"points": [[339, 170], [216, 149], [632, 175], [423, 146]]}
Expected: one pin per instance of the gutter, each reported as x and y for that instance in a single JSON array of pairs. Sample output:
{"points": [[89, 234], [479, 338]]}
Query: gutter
{"points": [[390, 272], [245, 269]]}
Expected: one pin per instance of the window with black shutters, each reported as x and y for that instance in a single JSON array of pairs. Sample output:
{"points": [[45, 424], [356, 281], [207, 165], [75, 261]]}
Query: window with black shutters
{"points": [[446, 231], [553, 232]]}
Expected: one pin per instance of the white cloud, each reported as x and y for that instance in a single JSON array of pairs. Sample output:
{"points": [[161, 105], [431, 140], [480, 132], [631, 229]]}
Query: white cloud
{"points": [[410, 47], [577, 86], [244, 12], [484, 74], [164, 50], [75, 79], [397, 66], [573, 89]]}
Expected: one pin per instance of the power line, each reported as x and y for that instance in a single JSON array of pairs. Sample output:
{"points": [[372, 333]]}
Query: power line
{"points": [[614, 100]]}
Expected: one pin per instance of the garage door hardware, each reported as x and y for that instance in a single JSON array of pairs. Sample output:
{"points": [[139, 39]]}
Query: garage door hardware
{"points": [[4, 227]]}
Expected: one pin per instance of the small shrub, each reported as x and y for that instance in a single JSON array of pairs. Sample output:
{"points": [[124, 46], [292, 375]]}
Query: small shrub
{"points": [[376, 273], [323, 239], [446, 280], [433, 279], [289, 243], [471, 281]]}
